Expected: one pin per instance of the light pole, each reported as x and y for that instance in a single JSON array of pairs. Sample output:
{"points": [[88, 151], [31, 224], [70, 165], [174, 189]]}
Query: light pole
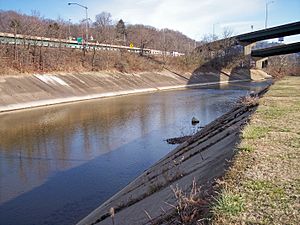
{"points": [[86, 19], [213, 30], [69, 28], [214, 36], [267, 5]]}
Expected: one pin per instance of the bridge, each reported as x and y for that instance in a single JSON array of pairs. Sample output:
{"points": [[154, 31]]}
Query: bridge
{"points": [[261, 55], [248, 41], [269, 33], [277, 50]]}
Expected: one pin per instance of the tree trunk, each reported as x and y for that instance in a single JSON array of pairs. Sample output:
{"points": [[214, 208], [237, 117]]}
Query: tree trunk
{"points": [[93, 58], [41, 59]]}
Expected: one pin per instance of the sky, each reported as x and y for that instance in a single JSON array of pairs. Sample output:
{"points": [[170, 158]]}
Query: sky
{"points": [[194, 18]]}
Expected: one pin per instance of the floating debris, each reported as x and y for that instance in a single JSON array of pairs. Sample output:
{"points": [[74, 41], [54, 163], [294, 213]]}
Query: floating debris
{"points": [[177, 140], [195, 121]]}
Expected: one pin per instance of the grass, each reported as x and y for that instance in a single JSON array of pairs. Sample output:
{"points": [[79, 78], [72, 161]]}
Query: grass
{"points": [[255, 132], [272, 113], [265, 187], [229, 204], [245, 147], [263, 184]]}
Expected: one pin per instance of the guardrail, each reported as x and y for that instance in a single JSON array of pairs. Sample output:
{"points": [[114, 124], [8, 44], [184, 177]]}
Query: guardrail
{"points": [[18, 39]]}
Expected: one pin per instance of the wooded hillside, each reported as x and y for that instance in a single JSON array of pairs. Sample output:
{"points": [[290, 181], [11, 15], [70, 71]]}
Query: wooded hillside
{"points": [[101, 29]]}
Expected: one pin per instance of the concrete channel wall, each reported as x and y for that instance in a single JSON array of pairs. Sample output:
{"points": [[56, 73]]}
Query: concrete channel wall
{"points": [[27, 91]]}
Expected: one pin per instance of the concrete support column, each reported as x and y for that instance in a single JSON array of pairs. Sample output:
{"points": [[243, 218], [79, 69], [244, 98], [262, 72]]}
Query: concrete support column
{"points": [[261, 62], [248, 47]]}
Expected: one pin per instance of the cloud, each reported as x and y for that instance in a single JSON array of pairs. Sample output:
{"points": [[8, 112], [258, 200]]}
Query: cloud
{"points": [[191, 17]]}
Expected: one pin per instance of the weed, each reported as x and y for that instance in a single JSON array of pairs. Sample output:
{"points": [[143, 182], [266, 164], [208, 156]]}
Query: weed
{"points": [[246, 148], [248, 101], [188, 205], [294, 142], [112, 215], [229, 204], [154, 188]]}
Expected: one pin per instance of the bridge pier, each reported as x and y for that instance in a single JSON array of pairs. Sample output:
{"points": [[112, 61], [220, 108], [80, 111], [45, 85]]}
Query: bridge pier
{"points": [[247, 47], [260, 62]]}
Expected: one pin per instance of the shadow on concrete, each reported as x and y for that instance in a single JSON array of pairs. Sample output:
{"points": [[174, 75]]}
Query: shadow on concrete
{"points": [[214, 69], [240, 73], [213, 72]]}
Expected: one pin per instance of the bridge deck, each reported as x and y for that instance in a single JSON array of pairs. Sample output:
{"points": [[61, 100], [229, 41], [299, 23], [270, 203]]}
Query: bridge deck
{"points": [[273, 32], [277, 50]]}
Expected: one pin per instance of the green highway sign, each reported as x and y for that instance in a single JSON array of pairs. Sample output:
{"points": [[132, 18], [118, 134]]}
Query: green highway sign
{"points": [[79, 40]]}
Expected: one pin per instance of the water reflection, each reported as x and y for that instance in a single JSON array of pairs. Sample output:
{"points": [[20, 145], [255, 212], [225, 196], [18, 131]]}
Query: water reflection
{"points": [[58, 163]]}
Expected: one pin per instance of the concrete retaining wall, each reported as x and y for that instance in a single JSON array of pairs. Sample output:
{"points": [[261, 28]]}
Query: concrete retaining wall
{"points": [[19, 92]]}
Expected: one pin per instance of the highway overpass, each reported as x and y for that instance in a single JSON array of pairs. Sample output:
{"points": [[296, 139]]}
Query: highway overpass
{"points": [[276, 50], [248, 41], [269, 33]]}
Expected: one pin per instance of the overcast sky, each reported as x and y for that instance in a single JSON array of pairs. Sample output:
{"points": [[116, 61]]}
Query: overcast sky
{"points": [[195, 18]]}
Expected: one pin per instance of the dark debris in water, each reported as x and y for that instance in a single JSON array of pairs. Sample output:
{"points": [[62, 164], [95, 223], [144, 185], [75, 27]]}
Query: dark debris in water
{"points": [[177, 140]]}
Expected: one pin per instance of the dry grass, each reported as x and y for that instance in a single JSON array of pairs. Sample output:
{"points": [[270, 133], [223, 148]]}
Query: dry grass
{"points": [[248, 100], [263, 184], [189, 207], [35, 59]]}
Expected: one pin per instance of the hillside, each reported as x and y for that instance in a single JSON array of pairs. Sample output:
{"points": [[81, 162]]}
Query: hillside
{"points": [[101, 29]]}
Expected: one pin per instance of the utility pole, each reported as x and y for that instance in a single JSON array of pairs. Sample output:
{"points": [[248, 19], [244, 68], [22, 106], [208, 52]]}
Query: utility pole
{"points": [[267, 6]]}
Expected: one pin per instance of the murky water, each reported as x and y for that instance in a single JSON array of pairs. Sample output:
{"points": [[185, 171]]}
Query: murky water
{"points": [[59, 163]]}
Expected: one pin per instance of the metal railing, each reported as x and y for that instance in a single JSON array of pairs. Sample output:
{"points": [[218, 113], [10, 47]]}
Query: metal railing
{"points": [[18, 39]]}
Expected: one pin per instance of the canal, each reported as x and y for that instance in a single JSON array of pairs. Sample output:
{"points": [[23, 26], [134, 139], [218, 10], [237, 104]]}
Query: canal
{"points": [[59, 163]]}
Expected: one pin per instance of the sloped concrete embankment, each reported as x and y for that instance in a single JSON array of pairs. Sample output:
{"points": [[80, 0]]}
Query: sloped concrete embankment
{"points": [[203, 158], [26, 91]]}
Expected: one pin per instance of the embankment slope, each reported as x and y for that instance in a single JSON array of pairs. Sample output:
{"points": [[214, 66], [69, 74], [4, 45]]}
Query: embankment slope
{"points": [[26, 91]]}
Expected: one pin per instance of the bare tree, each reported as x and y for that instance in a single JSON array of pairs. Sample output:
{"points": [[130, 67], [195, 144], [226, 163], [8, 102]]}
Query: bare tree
{"points": [[227, 32], [15, 24], [102, 25]]}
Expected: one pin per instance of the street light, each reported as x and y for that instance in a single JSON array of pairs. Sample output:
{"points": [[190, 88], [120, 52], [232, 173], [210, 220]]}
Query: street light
{"points": [[214, 25], [86, 19], [69, 28], [267, 4]]}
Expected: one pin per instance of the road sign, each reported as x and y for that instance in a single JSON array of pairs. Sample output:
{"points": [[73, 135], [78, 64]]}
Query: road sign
{"points": [[79, 40], [131, 45]]}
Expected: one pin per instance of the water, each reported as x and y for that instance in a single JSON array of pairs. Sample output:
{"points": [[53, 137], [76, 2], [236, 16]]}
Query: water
{"points": [[59, 163]]}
